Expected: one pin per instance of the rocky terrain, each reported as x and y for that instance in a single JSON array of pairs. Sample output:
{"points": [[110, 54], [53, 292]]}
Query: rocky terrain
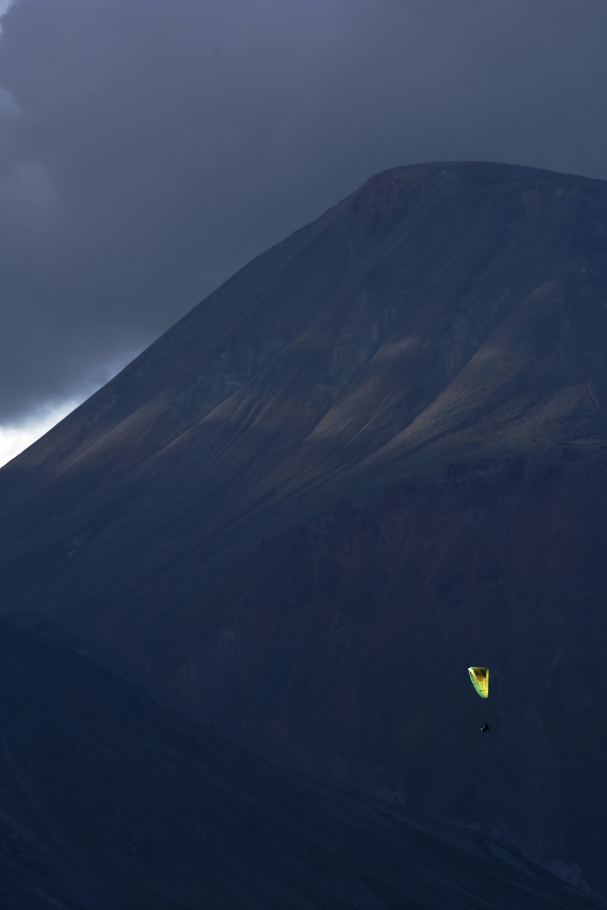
{"points": [[373, 457]]}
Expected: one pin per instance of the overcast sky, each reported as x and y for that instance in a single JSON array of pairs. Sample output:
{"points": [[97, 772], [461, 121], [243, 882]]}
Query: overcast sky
{"points": [[152, 147]]}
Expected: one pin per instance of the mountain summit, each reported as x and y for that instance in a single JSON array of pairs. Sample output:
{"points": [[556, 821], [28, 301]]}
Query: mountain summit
{"points": [[372, 458]]}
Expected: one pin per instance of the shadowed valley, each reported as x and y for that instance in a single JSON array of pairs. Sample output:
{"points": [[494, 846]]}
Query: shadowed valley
{"points": [[107, 800]]}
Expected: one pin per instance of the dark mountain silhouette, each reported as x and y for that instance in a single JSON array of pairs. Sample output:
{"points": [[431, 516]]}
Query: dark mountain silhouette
{"points": [[374, 457], [108, 800]]}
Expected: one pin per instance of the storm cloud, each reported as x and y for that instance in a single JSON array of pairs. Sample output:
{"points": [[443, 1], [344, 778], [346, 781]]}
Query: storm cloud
{"points": [[152, 147]]}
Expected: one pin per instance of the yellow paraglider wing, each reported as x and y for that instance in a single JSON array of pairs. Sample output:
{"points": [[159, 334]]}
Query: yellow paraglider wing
{"points": [[480, 680]]}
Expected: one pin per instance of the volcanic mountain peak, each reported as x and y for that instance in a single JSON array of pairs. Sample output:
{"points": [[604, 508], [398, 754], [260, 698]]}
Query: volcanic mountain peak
{"points": [[374, 453], [441, 309]]}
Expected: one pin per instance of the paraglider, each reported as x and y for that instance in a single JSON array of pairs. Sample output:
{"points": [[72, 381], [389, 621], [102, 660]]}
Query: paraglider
{"points": [[480, 680]]}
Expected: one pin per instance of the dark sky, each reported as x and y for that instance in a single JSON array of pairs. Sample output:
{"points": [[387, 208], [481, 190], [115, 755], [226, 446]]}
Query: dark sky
{"points": [[152, 147]]}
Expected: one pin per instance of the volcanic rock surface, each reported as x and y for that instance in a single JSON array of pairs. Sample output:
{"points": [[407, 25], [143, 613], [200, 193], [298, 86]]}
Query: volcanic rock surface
{"points": [[375, 456]]}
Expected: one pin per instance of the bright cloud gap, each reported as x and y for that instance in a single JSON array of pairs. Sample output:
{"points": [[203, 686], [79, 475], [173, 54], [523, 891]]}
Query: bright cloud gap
{"points": [[14, 438]]}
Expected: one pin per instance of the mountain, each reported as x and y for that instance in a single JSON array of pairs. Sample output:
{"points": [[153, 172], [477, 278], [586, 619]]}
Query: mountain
{"points": [[109, 800], [374, 457]]}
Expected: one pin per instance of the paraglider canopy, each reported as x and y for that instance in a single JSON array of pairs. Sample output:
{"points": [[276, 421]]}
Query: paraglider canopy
{"points": [[480, 680]]}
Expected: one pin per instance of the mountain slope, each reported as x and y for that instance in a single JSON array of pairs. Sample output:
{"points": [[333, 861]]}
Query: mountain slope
{"points": [[373, 457], [439, 308], [109, 800]]}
